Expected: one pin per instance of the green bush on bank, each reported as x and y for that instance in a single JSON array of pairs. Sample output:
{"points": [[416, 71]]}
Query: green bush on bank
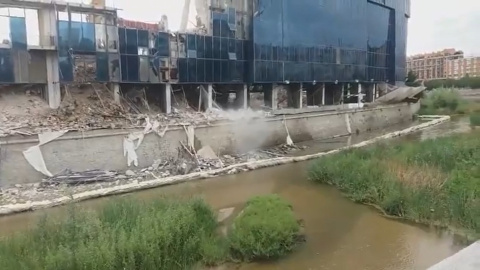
{"points": [[127, 235], [475, 119], [266, 229], [434, 181], [442, 101]]}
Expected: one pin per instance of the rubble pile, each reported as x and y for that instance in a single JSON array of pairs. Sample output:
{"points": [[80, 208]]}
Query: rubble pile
{"points": [[68, 182], [91, 106]]}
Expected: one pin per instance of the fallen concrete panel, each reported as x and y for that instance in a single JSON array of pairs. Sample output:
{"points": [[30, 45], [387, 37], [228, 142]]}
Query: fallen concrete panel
{"points": [[400, 94], [466, 259], [157, 182]]}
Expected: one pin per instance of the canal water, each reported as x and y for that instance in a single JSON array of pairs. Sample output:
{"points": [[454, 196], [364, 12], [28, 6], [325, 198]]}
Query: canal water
{"points": [[340, 234]]}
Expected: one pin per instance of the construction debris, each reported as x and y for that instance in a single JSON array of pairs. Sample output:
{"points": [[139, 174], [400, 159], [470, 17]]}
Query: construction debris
{"points": [[92, 106], [70, 182]]}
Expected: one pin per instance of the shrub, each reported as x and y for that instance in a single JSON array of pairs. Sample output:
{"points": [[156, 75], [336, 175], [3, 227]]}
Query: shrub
{"points": [[441, 101], [433, 181], [266, 229], [123, 235], [475, 119]]}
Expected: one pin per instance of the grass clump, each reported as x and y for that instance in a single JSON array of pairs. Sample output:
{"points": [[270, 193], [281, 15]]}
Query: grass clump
{"points": [[127, 235], [475, 119], [266, 229], [433, 181]]}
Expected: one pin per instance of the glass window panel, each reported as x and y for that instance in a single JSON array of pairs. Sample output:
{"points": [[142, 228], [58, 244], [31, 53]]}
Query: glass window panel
{"points": [[122, 40], [87, 42], [5, 39], [114, 67], [200, 70], [6, 66], [101, 37], [163, 42], [208, 47], [113, 39], [17, 12], [209, 71], [18, 33], [66, 68], [133, 68], [200, 46], [132, 41], [144, 66], [192, 70], [102, 67], [143, 38]]}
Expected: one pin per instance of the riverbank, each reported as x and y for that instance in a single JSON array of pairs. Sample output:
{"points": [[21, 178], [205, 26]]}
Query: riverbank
{"points": [[158, 235], [433, 182], [65, 197]]}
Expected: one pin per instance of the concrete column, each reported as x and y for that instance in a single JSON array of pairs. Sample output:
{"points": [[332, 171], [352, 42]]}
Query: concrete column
{"points": [[47, 29], [359, 95], [374, 92], [270, 96], [206, 95], [323, 94], [167, 99], [242, 97], [115, 88], [342, 96], [295, 96]]}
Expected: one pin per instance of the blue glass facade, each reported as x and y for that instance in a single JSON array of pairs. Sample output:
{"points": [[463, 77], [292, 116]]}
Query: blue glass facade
{"points": [[290, 40], [329, 40]]}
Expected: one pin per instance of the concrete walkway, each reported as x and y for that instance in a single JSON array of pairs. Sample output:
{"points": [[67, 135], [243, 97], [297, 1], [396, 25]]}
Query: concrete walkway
{"points": [[466, 259]]}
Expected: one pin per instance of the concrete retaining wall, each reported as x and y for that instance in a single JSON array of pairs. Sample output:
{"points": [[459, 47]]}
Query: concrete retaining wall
{"points": [[103, 149]]}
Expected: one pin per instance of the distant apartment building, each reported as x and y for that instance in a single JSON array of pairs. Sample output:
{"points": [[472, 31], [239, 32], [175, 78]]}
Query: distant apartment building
{"points": [[458, 68], [429, 66]]}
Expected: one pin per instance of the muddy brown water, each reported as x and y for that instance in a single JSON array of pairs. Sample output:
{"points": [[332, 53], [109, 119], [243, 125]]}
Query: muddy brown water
{"points": [[340, 234]]}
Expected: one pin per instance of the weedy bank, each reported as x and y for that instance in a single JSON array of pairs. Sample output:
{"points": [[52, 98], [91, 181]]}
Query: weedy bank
{"points": [[446, 101], [163, 234], [434, 181]]}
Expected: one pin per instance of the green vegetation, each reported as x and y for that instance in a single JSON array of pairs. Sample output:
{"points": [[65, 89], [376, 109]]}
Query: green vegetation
{"points": [[446, 101], [266, 229], [433, 181], [127, 235], [475, 119], [155, 235]]}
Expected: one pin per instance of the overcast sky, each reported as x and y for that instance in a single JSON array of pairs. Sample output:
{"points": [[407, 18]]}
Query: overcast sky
{"points": [[434, 24]]}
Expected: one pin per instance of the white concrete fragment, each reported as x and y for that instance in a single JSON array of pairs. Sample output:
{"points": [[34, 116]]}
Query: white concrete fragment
{"points": [[224, 214], [207, 152], [466, 259], [34, 155]]}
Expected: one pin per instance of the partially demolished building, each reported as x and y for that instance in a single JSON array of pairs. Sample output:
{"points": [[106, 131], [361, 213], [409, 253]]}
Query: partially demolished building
{"points": [[332, 49]]}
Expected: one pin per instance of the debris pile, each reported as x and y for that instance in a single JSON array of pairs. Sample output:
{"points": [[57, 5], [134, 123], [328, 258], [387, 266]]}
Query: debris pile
{"points": [[69, 182], [92, 106]]}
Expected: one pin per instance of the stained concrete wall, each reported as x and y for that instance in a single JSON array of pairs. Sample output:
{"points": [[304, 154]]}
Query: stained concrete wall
{"points": [[103, 149]]}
